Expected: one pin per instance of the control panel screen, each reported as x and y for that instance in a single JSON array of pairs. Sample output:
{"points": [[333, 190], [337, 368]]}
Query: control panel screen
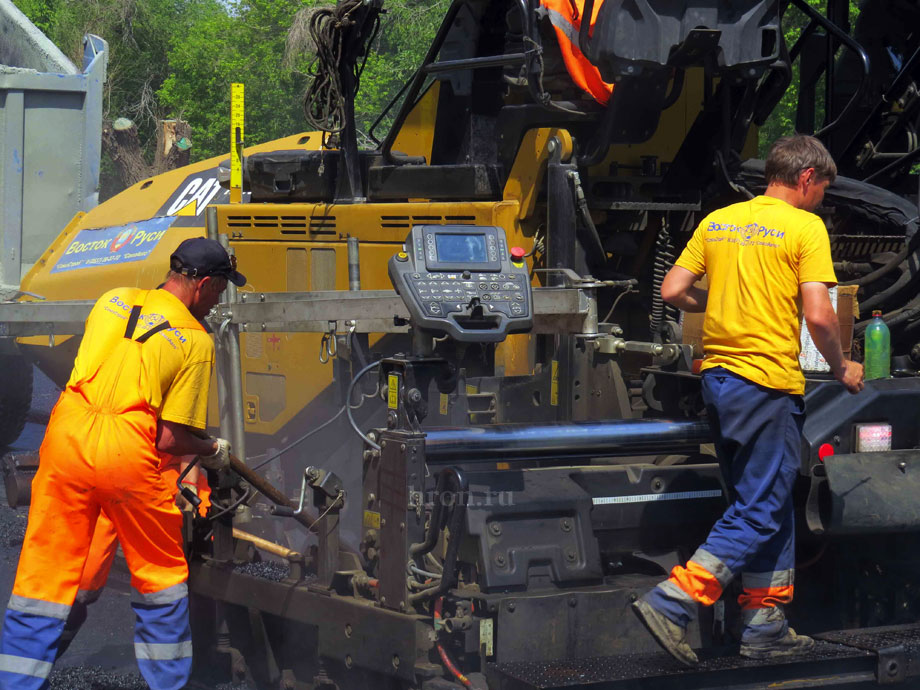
{"points": [[461, 248]]}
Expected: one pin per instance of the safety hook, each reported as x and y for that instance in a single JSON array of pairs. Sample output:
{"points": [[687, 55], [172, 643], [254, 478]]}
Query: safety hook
{"points": [[328, 346]]}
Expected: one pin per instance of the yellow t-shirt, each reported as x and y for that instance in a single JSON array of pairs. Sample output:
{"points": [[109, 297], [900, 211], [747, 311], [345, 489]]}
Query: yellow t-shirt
{"points": [[177, 361], [756, 255]]}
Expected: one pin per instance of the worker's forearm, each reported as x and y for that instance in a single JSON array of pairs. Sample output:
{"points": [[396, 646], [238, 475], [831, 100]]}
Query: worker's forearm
{"points": [[192, 476], [826, 335], [176, 439], [692, 300]]}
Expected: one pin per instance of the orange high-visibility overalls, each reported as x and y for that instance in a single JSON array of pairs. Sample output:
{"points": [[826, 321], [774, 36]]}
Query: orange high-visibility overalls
{"points": [[104, 546], [99, 453], [566, 17]]}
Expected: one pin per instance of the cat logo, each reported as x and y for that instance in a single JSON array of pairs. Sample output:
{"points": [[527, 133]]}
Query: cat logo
{"points": [[195, 194]]}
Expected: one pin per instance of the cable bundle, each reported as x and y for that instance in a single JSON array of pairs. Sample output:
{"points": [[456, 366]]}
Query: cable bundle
{"points": [[329, 27]]}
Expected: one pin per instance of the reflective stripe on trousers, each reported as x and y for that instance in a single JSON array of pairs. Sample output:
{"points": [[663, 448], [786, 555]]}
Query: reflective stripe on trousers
{"points": [[758, 434]]}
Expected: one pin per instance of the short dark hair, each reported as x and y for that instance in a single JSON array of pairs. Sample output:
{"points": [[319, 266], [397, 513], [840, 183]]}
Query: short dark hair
{"points": [[789, 156]]}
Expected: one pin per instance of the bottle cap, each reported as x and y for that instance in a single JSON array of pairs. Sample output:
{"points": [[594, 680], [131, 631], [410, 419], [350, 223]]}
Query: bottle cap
{"points": [[877, 313]]}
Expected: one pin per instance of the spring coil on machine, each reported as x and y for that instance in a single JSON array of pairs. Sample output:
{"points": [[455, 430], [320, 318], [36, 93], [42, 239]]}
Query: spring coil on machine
{"points": [[664, 260]]}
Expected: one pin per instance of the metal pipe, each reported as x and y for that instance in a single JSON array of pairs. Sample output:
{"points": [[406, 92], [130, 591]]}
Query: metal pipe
{"points": [[563, 440], [354, 265], [229, 339], [222, 363], [475, 63]]}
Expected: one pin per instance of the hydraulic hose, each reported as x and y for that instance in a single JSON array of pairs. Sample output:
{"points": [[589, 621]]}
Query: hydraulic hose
{"points": [[456, 522]]}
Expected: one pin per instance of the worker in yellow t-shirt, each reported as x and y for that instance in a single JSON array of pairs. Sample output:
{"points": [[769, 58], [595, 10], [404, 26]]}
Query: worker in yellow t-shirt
{"points": [[768, 261], [139, 384]]}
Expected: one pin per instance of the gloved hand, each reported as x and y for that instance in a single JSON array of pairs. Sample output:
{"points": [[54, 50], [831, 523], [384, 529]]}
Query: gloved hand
{"points": [[220, 458]]}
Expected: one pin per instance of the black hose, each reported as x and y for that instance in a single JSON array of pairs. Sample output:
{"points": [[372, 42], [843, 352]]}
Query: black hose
{"points": [[457, 521], [908, 273], [882, 271], [434, 525]]}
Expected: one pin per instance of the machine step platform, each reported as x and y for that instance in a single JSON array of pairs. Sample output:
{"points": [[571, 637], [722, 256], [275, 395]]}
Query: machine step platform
{"points": [[888, 655]]}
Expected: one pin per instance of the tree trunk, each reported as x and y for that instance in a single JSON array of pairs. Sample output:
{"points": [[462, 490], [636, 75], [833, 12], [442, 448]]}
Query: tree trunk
{"points": [[174, 145], [119, 139], [121, 143]]}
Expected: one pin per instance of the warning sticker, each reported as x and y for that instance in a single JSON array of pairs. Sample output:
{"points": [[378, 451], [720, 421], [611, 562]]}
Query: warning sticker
{"points": [[115, 245]]}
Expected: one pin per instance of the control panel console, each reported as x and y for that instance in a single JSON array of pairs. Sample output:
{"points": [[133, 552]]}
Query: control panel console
{"points": [[464, 281]]}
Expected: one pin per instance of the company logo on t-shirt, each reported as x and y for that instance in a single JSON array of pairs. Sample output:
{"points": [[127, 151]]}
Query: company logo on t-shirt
{"points": [[746, 235]]}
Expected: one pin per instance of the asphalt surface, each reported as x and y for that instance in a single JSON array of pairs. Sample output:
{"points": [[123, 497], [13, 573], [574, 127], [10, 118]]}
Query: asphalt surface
{"points": [[102, 655]]}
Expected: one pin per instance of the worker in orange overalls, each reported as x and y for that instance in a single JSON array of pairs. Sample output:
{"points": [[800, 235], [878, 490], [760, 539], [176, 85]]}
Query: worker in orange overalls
{"points": [[139, 384], [104, 544]]}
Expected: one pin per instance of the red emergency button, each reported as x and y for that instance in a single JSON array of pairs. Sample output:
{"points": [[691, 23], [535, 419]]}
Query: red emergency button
{"points": [[825, 450], [517, 254]]}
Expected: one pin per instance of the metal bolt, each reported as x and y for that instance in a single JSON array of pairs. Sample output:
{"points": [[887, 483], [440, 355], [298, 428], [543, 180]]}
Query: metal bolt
{"points": [[371, 498], [573, 602], [348, 661], [347, 630], [402, 447], [415, 395], [383, 600], [510, 607], [383, 444], [495, 529], [571, 555], [402, 606], [402, 526], [633, 596], [565, 524], [396, 661], [902, 466], [499, 560]]}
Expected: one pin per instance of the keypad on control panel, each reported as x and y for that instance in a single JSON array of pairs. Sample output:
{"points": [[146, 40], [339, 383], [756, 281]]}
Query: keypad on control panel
{"points": [[442, 293]]}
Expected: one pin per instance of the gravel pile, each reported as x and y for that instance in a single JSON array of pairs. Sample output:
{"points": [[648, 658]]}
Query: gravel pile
{"points": [[267, 570], [95, 678], [13, 526]]}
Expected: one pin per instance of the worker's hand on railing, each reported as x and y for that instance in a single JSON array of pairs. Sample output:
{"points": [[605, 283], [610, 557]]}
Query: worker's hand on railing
{"points": [[220, 458], [851, 376]]}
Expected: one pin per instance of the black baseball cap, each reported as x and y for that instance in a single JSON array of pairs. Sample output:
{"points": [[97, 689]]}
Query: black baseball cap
{"points": [[199, 257]]}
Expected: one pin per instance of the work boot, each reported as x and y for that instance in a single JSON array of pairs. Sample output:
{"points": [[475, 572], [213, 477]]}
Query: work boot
{"points": [[671, 637], [789, 644]]}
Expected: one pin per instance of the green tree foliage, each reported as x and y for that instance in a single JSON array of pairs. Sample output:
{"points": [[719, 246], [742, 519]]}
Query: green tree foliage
{"points": [[177, 59], [782, 120], [406, 32]]}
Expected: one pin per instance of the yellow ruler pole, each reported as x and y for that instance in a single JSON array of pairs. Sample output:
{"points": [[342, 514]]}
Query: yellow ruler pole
{"points": [[237, 117]]}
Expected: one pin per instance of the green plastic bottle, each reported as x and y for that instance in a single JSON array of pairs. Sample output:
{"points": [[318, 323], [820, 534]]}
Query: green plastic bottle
{"points": [[877, 348]]}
